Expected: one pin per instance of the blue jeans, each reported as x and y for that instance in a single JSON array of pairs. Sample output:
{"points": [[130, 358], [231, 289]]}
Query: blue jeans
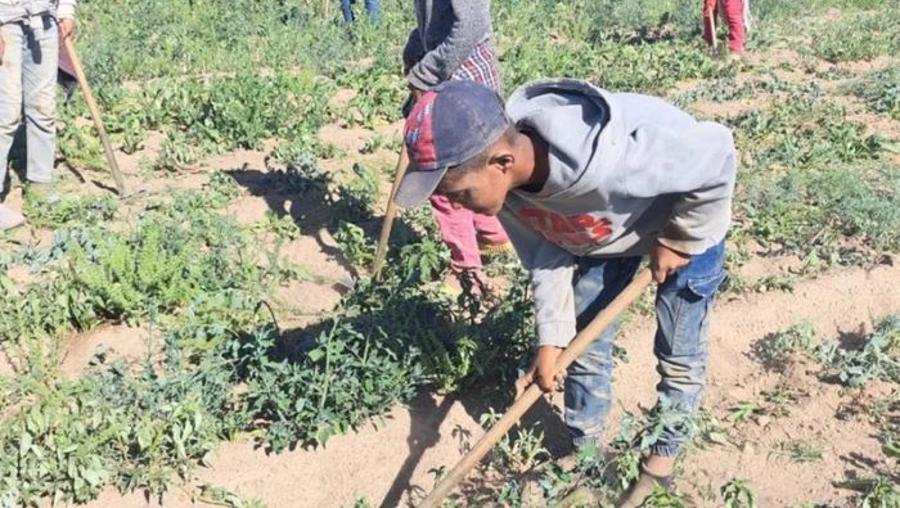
{"points": [[373, 9], [28, 76], [683, 305]]}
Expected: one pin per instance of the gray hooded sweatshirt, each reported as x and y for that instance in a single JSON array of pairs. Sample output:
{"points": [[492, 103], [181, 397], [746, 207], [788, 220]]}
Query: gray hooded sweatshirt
{"points": [[626, 170], [446, 33]]}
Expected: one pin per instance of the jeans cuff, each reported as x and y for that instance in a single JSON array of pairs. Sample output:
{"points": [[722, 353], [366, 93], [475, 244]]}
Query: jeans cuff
{"points": [[665, 449], [582, 441]]}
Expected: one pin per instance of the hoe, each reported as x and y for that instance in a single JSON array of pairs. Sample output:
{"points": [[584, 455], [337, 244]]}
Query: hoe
{"points": [[95, 115]]}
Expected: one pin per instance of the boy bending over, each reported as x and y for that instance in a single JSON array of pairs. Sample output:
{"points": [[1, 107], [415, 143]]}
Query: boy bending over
{"points": [[587, 182]]}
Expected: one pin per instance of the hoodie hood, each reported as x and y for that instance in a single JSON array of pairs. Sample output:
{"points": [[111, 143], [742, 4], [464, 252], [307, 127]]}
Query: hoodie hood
{"points": [[582, 126]]}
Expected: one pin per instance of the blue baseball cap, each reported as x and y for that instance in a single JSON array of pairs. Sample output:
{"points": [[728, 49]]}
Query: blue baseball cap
{"points": [[448, 125]]}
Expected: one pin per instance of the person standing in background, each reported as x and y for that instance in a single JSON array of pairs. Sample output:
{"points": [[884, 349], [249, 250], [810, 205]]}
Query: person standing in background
{"points": [[373, 10], [737, 16], [452, 41], [30, 31]]}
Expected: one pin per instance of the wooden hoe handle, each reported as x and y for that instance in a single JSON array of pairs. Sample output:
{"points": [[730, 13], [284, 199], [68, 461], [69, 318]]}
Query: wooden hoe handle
{"points": [[389, 214], [95, 115], [578, 346]]}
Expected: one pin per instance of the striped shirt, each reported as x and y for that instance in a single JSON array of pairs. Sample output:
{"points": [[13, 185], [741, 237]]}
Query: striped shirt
{"points": [[481, 67]]}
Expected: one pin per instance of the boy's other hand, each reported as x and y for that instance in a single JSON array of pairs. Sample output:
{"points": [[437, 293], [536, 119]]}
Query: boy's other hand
{"points": [[541, 371], [664, 261], [66, 28]]}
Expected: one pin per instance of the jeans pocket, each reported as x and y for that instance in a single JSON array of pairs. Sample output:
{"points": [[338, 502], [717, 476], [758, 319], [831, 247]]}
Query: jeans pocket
{"points": [[706, 287], [683, 314]]}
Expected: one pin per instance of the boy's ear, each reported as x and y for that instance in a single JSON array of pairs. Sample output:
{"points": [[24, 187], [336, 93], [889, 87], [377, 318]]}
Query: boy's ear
{"points": [[503, 160]]}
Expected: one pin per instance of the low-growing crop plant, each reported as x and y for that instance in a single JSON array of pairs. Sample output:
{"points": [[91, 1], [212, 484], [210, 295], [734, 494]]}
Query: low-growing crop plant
{"points": [[219, 496], [878, 358], [779, 399], [743, 411], [777, 350], [860, 36], [283, 227], [87, 210], [880, 90], [738, 494], [877, 492], [798, 450], [357, 197], [354, 244], [521, 452], [662, 498]]}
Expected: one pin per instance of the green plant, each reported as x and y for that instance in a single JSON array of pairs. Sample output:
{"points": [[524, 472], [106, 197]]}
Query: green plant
{"points": [[219, 496], [777, 350], [354, 244], [520, 453], [743, 411], [798, 194], [886, 413], [361, 503], [380, 93], [798, 450], [283, 227], [88, 210], [662, 498], [176, 153], [373, 144], [878, 358], [346, 378], [860, 36], [779, 399], [511, 494], [880, 91], [878, 492], [357, 197], [738, 494]]}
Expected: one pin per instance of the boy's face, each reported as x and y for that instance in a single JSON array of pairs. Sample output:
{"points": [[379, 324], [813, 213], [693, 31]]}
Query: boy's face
{"points": [[482, 190]]}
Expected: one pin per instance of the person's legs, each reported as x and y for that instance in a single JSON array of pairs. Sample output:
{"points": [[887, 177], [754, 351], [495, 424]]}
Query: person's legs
{"points": [[710, 11], [10, 110], [734, 16], [39, 67], [10, 92], [347, 10], [373, 9], [458, 232], [683, 307], [488, 229], [588, 385]]}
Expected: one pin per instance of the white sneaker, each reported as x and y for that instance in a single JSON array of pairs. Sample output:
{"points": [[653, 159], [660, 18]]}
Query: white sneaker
{"points": [[10, 218]]}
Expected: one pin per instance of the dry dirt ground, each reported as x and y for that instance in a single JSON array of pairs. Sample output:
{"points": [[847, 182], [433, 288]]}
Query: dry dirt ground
{"points": [[390, 462]]}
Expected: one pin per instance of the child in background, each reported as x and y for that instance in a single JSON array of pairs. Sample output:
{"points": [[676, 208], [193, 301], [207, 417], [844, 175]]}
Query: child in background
{"points": [[452, 41], [587, 182], [30, 31], [737, 16]]}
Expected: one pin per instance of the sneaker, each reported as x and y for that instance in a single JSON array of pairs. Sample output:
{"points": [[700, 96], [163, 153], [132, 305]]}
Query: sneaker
{"points": [[42, 193], [645, 486], [9, 218]]}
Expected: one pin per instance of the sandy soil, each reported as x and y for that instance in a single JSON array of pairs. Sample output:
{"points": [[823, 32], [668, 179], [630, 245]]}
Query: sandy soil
{"points": [[389, 463]]}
